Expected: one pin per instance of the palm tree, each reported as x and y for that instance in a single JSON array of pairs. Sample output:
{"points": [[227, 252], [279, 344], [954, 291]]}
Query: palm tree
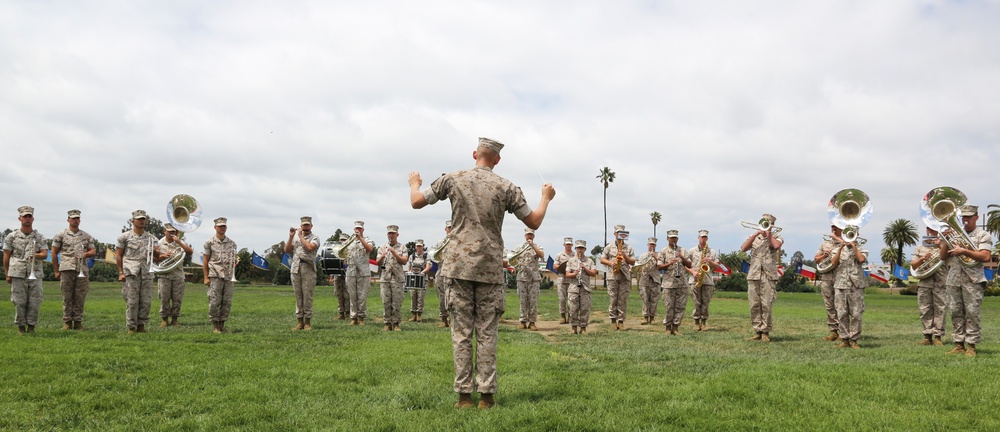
{"points": [[899, 233], [656, 217], [993, 220], [888, 255], [606, 177]]}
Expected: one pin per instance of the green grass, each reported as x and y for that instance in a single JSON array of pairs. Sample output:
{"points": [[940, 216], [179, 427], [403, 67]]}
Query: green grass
{"points": [[263, 376]]}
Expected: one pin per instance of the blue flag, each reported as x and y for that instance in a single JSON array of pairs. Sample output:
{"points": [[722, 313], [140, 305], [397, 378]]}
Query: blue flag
{"points": [[745, 267], [989, 274], [900, 272], [286, 261], [550, 264], [90, 262], [259, 261]]}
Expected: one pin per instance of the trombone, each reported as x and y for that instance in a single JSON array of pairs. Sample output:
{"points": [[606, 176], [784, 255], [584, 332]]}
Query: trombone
{"points": [[762, 225]]}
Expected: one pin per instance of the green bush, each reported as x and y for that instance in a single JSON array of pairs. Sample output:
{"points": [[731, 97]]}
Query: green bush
{"points": [[737, 282]]}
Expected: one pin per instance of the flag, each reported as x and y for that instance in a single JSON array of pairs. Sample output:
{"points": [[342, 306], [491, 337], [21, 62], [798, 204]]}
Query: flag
{"points": [[550, 265], [781, 270], [286, 261], [745, 267], [109, 255], [878, 273], [90, 262], [900, 272], [48, 258], [805, 271], [259, 261], [989, 273], [724, 270]]}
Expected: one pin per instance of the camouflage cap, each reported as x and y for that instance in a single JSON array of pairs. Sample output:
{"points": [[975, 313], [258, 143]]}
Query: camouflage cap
{"points": [[419, 242], [306, 220], [392, 229], [25, 210], [529, 231], [770, 217], [703, 233], [490, 144], [447, 224], [619, 228], [139, 214], [359, 224], [168, 227], [568, 240], [581, 244], [969, 210], [673, 233], [344, 236], [73, 213], [652, 240], [221, 221]]}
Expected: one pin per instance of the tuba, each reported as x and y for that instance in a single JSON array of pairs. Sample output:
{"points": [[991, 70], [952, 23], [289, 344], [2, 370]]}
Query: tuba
{"points": [[939, 210], [931, 266], [436, 253], [848, 209], [184, 213]]}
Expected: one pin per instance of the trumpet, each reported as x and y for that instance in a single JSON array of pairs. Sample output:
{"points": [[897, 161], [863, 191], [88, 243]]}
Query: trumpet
{"points": [[233, 279], [149, 254], [30, 254], [762, 225], [80, 262], [939, 210]]}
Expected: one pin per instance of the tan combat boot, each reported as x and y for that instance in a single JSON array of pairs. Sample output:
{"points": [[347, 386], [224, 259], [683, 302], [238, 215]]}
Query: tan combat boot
{"points": [[937, 341], [443, 323], [21, 329], [844, 343], [447, 322], [174, 323], [131, 330], [361, 321], [757, 336], [645, 321], [673, 329], [970, 351], [395, 327], [764, 337], [958, 349], [413, 317], [308, 324], [78, 325], [215, 327], [388, 327], [165, 322], [524, 325], [531, 326], [583, 330], [299, 326], [420, 316], [486, 401], [854, 344], [222, 326], [341, 316], [574, 330], [68, 325], [928, 340], [832, 337], [464, 401], [563, 320], [141, 328], [621, 325]]}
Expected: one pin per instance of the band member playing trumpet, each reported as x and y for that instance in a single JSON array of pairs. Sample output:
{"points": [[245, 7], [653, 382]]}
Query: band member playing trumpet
{"points": [[966, 283], [303, 246], [764, 247], [931, 290], [649, 283], [579, 270], [674, 262], [418, 263], [70, 250], [135, 252], [528, 280], [849, 295], [218, 263], [826, 280], [171, 284], [441, 283], [618, 257], [391, 258], [562, 285], [705, 260], [340, 289], [23, 250], [358, 274]]}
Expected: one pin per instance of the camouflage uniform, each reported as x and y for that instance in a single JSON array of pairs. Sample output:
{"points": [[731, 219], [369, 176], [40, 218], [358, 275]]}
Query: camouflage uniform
{"points": [[73, 245], [931, 296], [358, 279], [761, 278], [649, 287], [702, 296], [966, 285], [675, 285], [170, 284], [620, 283], [562, 285], [441, 286], [849, 297], [579, 293], [417, 264], [528, 281], [220, 254], [26, 294], [340, 289], [138, 287], [825, 281], [474, 260], [303, 272], [391, 283]]}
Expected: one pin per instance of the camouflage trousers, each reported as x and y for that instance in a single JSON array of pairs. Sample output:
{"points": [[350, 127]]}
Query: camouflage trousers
{"points": [[357, 292], [579, 305], [138, 294], [674, 302], [171, 293], [618, 289], [220, 299], [966, 300], [475, 308], [931, 302], [702, 298], [392, 301], [850, 306], [304, 284], [27, 298], [442, 285], [527, 293], [562, 291], [74, 293], [827, 291], [649, 293], [417, 300], [760, 294], [340, 292]]}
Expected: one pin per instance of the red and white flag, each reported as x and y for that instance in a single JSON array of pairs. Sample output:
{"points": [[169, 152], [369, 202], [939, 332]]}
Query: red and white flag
{"points": [[878, 273], [807, 271], [781, 270], [724, 270]]}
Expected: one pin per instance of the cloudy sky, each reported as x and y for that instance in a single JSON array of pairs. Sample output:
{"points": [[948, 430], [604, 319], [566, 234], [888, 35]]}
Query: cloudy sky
{"points": [[708, 112]]}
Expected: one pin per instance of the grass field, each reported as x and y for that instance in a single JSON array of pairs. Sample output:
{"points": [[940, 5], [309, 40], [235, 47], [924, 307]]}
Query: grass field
{"points": [[262, 376]]}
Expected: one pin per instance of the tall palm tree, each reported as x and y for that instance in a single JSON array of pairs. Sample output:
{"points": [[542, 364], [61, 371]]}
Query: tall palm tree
{"points": [[993, 220], [888, 255], [606, 177], [899, 233], [656, 217]]}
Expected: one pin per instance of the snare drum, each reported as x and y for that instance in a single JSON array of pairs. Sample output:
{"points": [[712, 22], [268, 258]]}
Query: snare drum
{"points": [[415, 281]]}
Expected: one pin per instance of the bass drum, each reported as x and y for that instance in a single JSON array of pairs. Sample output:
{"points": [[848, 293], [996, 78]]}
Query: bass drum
{"points": [[328, 260]]}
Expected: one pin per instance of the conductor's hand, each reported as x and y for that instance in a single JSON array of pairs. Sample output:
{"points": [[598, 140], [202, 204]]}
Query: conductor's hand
{"points": [[415, 179], [548, 192]]}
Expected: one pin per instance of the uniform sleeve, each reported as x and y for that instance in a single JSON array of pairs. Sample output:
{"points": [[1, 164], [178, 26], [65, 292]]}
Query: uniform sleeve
{"points": [[57, 241], [516, 203], [88, 242], [122, 240], [207, 248], [8, 242], [985, 241], [606, 253], [439, 189], [39, 242]]}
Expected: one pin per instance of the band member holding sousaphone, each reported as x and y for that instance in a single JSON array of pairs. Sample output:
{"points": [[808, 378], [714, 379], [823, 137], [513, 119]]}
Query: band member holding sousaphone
{"points": [[135, 252], [528, 280], [418, 263], [303, 246], [618, 257], [218, 263], [705, 260], [358, 274], [764, 246], [562, 285], [70, 250], [849, 290], [932, 289], [391, 258], [675, 262], [826, 274], [966, 248], [579, 269], [22, 250], [170, 283], [649, 281]]}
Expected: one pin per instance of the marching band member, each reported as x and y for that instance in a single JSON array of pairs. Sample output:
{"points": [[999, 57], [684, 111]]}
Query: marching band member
{"points": [[674, 263], [22, 250], [303, 246], [135, 253], [826, 281], [649, 283], [441, 284], [70, 250], [340, 289], [218, 262], [391, 258], [702, 254], [931, 291], [967, 283], [528, 280], [562, 285], [170, 285], [358, 274], [579, 270], [849, 295], [764, 247], [618, 257], [418, 264]]}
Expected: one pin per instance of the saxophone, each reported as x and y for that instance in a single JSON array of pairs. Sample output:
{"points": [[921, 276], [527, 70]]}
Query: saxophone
{"points": [[703, 267], [619, 244]]}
